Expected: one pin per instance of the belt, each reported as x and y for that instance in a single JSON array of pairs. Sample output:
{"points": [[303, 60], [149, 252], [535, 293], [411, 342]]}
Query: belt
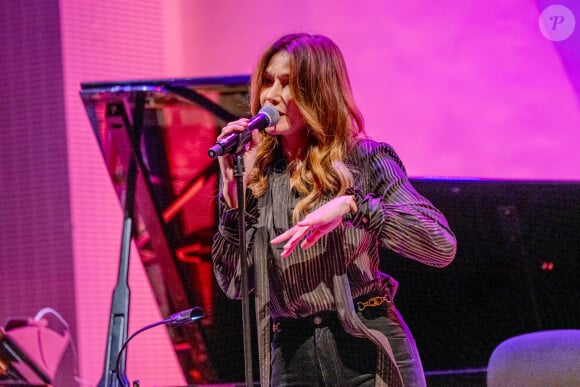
{"points": [[370, 306], [297, 330], [304, 325]]}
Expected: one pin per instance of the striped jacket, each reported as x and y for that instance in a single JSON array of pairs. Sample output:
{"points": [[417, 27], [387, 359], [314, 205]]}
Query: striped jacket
{"points": [[344, 264]]}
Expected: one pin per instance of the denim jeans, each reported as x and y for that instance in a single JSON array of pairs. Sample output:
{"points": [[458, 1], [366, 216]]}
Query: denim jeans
{"points": [[328, 356]]}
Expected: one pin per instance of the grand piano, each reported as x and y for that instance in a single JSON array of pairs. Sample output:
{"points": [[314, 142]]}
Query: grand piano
{"points": [[516, 268]]}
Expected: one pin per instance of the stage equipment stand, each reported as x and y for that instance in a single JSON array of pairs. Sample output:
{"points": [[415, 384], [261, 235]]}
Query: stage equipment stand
{"points": [[247, 333], [119, 317]]}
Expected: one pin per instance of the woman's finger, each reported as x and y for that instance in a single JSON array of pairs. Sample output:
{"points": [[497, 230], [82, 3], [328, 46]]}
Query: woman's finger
{"points": [[311, 239], [298, 234]]}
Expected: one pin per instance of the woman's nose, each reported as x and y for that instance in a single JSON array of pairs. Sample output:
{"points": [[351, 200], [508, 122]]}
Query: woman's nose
{"points": [[273, 93]]}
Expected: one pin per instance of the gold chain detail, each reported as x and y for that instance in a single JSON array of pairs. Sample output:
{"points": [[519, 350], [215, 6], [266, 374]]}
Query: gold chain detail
{"points": [[373, 301]]}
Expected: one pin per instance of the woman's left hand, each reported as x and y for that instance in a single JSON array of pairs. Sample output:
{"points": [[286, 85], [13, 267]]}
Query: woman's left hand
{"points": [[316, 224]]}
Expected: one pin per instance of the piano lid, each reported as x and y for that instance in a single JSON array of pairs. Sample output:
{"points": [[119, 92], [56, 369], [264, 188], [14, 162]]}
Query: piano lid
{"points": [[167, 126]]}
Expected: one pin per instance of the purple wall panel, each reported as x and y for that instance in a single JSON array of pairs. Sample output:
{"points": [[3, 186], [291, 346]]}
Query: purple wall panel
{"points": [[35, 255]]}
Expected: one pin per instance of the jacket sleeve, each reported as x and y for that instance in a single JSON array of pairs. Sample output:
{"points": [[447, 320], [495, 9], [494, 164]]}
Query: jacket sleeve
{"points": [[390, 208], [226, 246]]}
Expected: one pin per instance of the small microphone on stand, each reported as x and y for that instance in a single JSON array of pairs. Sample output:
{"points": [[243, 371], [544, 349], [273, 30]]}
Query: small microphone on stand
{"points": [[178, 319], [184, 317]]}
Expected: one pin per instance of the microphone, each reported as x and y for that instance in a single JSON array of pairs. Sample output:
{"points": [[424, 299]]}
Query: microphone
{"points": [[178, 319], [233, 142], [184, 317]]}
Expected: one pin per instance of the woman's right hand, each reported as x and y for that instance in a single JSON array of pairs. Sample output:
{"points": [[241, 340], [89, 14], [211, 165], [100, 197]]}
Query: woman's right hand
{"points": [[226, 162]]}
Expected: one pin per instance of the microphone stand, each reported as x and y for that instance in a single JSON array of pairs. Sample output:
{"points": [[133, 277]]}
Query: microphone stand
{"points": [[247, 334], [114, 368]]}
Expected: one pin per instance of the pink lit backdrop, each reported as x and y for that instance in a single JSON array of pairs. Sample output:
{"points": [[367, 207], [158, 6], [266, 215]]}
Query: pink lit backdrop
{"points": [[461, 89]]}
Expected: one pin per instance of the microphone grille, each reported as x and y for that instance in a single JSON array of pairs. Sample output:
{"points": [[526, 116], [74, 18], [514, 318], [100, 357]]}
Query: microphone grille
{"points": [[272, 114]]}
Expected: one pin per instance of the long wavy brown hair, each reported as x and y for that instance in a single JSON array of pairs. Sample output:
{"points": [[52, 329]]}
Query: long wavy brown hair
{"points": [[320, 86]]}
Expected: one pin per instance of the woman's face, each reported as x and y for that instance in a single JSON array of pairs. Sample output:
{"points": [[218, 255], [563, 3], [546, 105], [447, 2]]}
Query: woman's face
{"points": [[275, 92]]}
